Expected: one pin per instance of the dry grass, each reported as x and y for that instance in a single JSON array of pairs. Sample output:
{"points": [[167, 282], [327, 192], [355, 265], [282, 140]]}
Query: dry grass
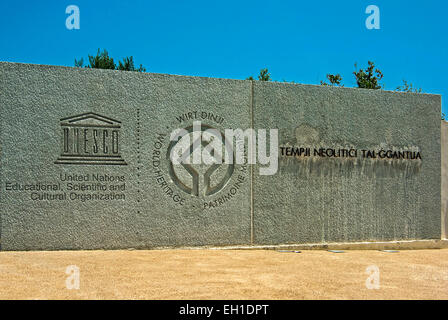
{"points": [[224, 274]]}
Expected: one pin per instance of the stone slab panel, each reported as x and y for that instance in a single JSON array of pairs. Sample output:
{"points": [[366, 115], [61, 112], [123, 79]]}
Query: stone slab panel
{"points": [[319, 199], [84, 164], [444, 199]]}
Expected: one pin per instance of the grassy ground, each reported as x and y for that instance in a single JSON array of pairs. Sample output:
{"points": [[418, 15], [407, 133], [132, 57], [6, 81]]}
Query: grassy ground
{"points": [[224, 274]]}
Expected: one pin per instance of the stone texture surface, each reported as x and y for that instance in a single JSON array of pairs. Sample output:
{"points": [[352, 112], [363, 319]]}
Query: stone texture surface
{"points": [[159, 205], [33, 101], [444, 199], [314, 199]]}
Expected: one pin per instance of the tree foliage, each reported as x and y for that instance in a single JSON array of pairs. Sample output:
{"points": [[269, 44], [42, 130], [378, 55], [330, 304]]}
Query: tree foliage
{"points": [[128, 65], [264, 75], [334, 79], [369, 78], [102, 60], [79, 63]]}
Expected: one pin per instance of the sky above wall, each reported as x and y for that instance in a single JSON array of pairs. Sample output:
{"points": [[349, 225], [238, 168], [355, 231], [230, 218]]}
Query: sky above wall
{"points": [[298, 41]]}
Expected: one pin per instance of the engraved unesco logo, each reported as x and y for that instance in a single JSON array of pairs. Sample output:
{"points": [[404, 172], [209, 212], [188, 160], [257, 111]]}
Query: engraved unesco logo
{"points": [[90, 139], [198, 163], [185, 175]]}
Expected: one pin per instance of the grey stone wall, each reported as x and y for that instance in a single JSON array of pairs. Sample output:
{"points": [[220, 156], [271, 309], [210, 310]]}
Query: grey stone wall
{"points": [[444, 204], [316, 199], [84, 163]]}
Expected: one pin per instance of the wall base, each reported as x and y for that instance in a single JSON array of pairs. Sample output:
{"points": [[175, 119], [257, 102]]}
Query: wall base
{"points": [[388, 245]]}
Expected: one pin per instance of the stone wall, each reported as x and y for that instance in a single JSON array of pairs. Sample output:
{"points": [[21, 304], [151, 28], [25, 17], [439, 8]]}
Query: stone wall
{"points": [[84, 162], [444, 204]]}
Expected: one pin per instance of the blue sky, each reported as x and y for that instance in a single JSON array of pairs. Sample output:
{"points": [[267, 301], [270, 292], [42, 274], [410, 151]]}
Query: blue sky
{"points": [[296, 40]]}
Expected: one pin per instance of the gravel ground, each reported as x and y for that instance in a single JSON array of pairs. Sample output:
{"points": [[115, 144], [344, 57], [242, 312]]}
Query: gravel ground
{"points": [[224, 274]]}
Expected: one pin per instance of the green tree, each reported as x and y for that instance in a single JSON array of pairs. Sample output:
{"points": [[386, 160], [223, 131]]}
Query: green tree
{"points": [[128, 65], [334, 79], [102, 60], [264, 75], [369, 78], [79, 63]]}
